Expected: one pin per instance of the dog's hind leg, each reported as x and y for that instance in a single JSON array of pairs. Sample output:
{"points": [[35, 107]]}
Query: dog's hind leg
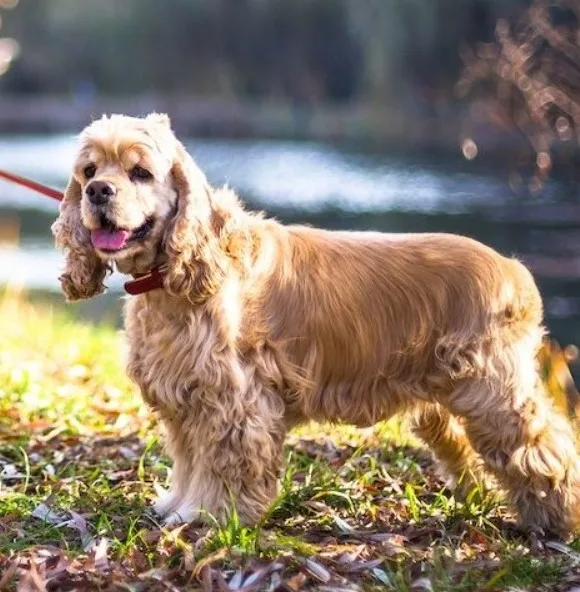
{"points": [[446, 437], [527, 444]]}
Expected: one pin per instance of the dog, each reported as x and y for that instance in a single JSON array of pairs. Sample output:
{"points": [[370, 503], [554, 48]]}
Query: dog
{"points": [[256, 327]]}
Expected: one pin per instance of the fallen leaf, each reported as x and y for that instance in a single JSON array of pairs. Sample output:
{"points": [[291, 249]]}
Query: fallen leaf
{"points": [[382, 576], [422, 585], [206, 580], [100, 555], [32, 580], [207, 561], [220, 581], [80, 524], [258, 576], [565, 549], [11, 472], [44, 513], [236, 581], [359, 566], [343, 526], [8, 575], [296, 582], [351, 556], [317, 570]]}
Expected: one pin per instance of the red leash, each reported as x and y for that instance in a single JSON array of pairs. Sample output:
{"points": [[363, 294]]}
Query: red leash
{"points": [[143, 283], [38, 187]]}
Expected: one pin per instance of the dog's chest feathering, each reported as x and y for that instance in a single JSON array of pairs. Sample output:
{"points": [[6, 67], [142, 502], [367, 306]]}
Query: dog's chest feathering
{"points": [[173, 353]]}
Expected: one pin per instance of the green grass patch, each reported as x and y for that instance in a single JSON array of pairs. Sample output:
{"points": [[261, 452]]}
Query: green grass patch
{"points": [[81, 459]]}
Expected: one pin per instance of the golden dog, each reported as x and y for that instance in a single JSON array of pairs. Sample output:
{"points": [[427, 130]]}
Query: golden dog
{"points": [[259, 327]]}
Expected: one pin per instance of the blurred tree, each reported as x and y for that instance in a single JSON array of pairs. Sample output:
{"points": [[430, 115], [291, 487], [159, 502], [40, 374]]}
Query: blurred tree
{"points": [[397, 52]]}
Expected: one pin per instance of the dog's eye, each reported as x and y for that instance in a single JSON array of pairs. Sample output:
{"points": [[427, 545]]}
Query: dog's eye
{"points": [[140, 174], [90, 171]]}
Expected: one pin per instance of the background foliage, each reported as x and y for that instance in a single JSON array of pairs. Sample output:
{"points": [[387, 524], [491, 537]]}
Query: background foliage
{"points": [[299, 50]]}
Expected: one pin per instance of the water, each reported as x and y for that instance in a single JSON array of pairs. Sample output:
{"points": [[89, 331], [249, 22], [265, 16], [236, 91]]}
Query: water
{"points": [[335, 188]]}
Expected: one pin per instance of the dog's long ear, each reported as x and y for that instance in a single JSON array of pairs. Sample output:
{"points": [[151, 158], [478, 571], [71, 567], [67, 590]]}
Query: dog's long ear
{"points": [[84, 271], [196, 265]]}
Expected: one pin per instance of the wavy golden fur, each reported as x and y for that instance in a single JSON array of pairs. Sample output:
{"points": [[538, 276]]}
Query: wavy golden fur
{"points": [[262, 326]]}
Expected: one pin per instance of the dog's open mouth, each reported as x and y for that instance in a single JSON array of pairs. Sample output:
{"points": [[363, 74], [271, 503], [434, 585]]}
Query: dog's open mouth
{"points": [[111, 238]]}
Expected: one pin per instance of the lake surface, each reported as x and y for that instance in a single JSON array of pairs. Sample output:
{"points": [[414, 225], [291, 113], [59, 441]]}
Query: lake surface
{"points": [[333, 187]]}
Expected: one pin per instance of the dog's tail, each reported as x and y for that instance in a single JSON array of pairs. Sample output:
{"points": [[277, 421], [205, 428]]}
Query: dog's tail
{"points": [[520, 297]]}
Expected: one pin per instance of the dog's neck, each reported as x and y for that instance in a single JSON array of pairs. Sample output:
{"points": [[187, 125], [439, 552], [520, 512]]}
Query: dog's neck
{"points": [[235, 246]]}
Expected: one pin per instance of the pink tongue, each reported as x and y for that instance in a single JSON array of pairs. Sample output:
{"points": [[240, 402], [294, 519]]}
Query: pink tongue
{"points": [[109, 240]]}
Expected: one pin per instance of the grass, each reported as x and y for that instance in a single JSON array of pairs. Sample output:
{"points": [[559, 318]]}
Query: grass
{"points": [[81, 460]]}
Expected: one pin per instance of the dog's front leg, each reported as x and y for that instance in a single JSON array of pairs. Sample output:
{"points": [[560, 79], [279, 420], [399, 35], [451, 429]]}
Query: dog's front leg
{"points": [[225, 458]]}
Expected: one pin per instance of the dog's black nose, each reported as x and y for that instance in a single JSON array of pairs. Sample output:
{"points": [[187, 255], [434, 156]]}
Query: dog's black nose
{"points": [[99, 192]]}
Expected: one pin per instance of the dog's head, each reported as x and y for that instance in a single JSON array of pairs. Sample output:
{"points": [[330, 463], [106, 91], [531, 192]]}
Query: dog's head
{"points": [[136, 200]]}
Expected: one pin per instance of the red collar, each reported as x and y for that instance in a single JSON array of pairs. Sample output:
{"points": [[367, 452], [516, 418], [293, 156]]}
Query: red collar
{"points": [[145, 282]]}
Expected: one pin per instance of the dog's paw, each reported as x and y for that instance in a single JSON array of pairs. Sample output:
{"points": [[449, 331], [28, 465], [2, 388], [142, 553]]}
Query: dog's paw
{"points": [[167, 502], [184, 514]]}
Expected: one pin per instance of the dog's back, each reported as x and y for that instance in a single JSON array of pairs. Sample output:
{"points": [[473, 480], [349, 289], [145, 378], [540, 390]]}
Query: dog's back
{"points": [[387, 311]]}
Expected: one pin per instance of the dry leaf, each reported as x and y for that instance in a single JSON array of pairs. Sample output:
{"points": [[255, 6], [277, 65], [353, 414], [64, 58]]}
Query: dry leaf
{"points": [[317, 570], [44, 513], [100, 555]]}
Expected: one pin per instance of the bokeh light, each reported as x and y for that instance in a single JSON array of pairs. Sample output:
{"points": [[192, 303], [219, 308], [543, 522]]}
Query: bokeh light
{"points": [[9, 48]]}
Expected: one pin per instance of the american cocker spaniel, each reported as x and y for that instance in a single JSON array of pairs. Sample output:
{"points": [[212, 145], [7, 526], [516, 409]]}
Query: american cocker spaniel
{"points": [[255, 327]]}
